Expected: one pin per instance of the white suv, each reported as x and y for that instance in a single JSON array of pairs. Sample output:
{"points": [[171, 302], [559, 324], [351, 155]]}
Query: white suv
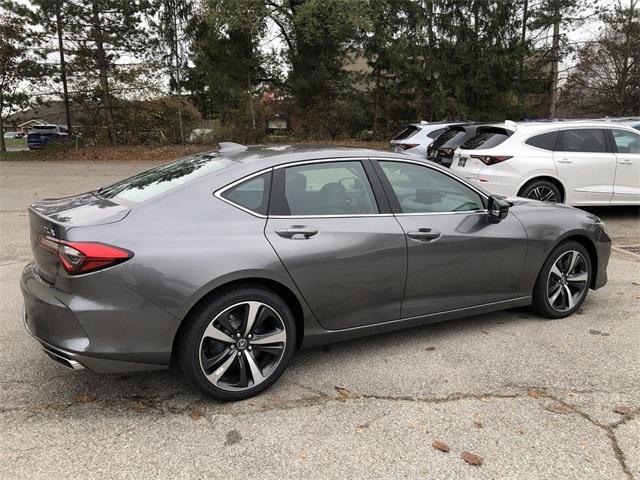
{"points": [[575, 162], [417, 137]]}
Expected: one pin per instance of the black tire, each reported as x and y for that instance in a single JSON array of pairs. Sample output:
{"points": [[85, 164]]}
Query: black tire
{"points": [[192, 341], [547, 282], [540, 189]]}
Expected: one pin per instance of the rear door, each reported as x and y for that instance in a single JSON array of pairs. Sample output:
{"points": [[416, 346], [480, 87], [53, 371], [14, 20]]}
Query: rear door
{"points": [[586, 166], [626, 188], [338, 241], [456, 258]]}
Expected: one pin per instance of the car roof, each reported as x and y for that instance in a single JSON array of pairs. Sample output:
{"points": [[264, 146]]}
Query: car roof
{"points": [[550, 125]]}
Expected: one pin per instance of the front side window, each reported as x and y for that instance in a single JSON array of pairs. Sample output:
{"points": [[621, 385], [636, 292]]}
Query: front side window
{"points": [[332, 188], [587, 140], [626, 142], [252, 194], [425, 190]]}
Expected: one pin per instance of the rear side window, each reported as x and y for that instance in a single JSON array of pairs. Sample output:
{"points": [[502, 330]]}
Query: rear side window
{"points": [[436, 133], [545, 141], [252, 194], [588, 140], [486, 138], [331, 188], [410, 131]]}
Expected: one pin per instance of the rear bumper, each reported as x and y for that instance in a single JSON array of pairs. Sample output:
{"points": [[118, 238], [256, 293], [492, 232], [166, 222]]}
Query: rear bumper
{"points": [[103, 333]]}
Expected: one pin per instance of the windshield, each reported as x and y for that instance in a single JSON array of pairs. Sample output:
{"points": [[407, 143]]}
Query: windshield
{"points": [[161, 179]]}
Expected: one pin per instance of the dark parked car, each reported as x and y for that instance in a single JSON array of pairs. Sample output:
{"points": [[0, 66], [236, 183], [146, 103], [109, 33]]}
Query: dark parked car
{"points": [[40, 136], [442, 149], [226, 262]]}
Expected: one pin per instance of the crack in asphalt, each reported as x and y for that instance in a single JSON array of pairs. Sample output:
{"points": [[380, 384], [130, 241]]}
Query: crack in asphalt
{"points": [[158, 405]]}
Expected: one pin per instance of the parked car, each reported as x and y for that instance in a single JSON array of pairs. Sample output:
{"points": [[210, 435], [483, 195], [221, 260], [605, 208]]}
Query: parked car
{"points": [[40, 136], [227, 262], [633, 122], [443, 147], [417, 137], [13, 135], [574, 162]]}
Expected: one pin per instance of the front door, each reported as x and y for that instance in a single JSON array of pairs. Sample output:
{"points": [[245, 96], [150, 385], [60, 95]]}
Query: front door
{"points": [[456, 258], [346, 257], [626, 188], [585, 166]]}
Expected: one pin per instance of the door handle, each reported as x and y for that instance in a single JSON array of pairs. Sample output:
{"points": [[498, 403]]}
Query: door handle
{"points": [[298, 232], [626, 161], [424, 234], [564, 160]]}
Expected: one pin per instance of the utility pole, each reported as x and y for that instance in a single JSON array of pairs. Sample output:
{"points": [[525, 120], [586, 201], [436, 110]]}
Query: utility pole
{"points": [[63, 68]]}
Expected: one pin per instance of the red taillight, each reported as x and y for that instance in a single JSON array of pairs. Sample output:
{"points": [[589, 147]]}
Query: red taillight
{"points": [[406, 146], [491, 159], [84, 257]]}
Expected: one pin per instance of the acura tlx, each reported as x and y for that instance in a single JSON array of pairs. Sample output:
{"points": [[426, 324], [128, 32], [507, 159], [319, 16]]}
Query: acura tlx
{"points": [[225, 263]]}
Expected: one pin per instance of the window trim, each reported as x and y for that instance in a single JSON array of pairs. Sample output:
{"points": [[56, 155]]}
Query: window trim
{"points": [[393, 198], [219, 193], [384, 209]]}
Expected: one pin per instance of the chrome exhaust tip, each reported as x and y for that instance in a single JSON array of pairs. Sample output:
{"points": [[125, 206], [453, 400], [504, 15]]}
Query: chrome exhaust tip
{"points": [[59, 357]]}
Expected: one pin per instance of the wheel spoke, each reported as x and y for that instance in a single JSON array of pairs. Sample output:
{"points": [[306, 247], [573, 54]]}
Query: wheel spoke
{"points": [[252, 315], [209, 363], [244, 380], [555, 295], [572, 262], [570, 302], [253, 366], [578, 277], [213, 332], [556, 271], [215, 376], [270, 349], [279, 336]]}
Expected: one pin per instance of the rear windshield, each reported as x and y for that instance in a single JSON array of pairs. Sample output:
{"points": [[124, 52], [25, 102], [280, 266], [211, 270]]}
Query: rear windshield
{"points": [[161, 179], [486, 137], [451, 138], [410, 131]]}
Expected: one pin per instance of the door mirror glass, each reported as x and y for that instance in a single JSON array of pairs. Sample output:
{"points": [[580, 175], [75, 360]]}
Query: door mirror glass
{"points": [[498, 209]]}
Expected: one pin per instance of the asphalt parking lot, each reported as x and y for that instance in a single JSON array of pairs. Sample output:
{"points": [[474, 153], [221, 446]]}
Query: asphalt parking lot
{"points": [[533, 398]]}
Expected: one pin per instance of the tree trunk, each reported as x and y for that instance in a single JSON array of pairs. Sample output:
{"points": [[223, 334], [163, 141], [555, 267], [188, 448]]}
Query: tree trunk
{"points": [[63, 69], [523, 41], [103, 68], [376, 106], [555, 61], [3, 147]]}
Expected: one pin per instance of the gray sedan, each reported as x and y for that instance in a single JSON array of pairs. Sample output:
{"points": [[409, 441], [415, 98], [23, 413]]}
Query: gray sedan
{"points": [[226, 262]]}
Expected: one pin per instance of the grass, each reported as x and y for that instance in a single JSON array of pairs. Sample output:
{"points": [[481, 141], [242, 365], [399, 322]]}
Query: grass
{"points": [[159, 153]]}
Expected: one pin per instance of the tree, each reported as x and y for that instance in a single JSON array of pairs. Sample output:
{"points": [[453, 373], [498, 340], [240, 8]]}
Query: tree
{"points": [[17, 68], [606, 79]]}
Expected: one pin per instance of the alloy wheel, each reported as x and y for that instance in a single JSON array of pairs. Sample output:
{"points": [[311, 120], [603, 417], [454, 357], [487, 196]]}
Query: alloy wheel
{"points": [[242, 346], [543, 193], [567, 281]]}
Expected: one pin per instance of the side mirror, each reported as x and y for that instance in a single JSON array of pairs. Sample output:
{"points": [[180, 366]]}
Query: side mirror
{"points": [[497, 209]]}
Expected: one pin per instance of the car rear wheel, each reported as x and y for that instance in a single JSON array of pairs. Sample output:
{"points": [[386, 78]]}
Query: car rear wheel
{"points": [[542, 190], [238, 344], [563, 282]]}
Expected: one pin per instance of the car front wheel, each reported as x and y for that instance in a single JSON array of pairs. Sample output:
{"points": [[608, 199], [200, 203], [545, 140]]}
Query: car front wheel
{"points": [[563, 282], [238, 344]]}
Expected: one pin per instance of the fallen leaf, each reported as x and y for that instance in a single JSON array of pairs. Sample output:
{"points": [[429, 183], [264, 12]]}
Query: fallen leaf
{"points": [[196, 414], [533, 393], [438, 445], [595, 332], [559, 408], [345, 394], [471, 458], [139, 406], [302, 455], [430, 349], [361, 428], [84, 398], [623, 410], [478, 424]]}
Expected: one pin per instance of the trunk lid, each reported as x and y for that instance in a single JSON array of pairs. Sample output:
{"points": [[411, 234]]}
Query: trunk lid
{"points": [[54, 217]]}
